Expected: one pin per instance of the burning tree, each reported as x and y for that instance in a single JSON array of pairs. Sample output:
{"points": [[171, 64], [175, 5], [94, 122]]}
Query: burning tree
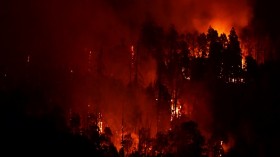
{"points": [[145, 141]]}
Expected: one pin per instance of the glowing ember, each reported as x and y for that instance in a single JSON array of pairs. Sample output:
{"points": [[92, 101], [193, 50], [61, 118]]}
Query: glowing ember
{"points": [[100, 123], [28, 59], [132, 48], [176, 110]]}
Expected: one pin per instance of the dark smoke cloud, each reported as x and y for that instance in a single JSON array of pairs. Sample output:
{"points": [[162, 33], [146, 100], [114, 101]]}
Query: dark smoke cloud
{"points": [[186, 15], [56, 30], [82, 22], [265, 27]]}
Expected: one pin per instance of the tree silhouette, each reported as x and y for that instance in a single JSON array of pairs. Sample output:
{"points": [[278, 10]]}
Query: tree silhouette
{"points": [[172, 37], [188, 140], [191, 39], [152, 35], [251, 68], [107, 147], [144, 140], [202, 45], [233, 61], [184, 60], [127, 144], [212, 35], [224, 40], [161, 143], [215, 58]]}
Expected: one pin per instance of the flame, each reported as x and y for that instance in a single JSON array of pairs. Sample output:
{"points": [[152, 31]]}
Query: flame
{"points": [[243, 63], [28, 59], [176, 110], [132, 48], [228, 145], [132, 54], [221, 26], [100, 125], [135, 138]]}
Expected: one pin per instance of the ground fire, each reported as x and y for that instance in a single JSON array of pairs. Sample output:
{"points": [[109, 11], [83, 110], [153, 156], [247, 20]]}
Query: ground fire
{"points": [[212, 52]]}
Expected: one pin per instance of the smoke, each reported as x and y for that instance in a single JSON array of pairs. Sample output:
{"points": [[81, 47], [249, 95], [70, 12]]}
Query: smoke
{"points": [[59, 30], [264, 29], [186, 15]]}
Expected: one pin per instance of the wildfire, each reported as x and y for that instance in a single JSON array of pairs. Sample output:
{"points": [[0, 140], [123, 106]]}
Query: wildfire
{"points": [[243, 63], [132, 48], [228, 145], [132, 54], [176, 109], [221, 26], [100, 123], [28, 59]]}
